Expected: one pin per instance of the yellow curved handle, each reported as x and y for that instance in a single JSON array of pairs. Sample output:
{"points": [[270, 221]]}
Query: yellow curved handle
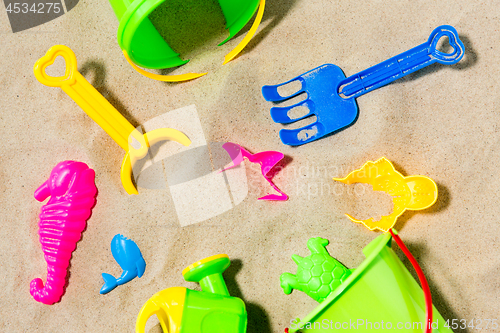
{"points": [[260, 13], [149, 309], [168, 306], [164, 78], [126, 175], [162, 134], [151, 138]]}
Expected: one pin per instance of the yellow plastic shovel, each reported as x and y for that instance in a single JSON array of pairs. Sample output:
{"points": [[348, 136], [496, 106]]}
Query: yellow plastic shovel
{"points": [[103, 113]]}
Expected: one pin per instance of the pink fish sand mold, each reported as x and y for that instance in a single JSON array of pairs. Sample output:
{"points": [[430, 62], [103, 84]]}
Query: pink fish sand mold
{"points": [[72, 191], [268, 160]]}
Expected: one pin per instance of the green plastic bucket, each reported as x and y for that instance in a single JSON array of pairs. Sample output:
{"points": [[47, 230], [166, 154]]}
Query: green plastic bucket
{"points": [[379, 295], [147, 48]]}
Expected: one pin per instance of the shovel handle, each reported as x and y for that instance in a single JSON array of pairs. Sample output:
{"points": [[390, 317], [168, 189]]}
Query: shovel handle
{"points": [[88, 98], [403, 64]]}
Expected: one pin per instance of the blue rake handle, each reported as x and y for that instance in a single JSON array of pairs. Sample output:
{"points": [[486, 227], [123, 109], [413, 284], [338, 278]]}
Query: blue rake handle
{"points": [[403, 64]]}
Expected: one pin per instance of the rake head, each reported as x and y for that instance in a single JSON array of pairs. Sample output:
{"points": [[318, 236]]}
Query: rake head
{"points": [[333, 113]]}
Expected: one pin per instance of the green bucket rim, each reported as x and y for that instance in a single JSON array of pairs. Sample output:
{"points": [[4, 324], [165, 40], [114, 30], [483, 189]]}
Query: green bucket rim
{"points": [[137, 14], [372, 249]]}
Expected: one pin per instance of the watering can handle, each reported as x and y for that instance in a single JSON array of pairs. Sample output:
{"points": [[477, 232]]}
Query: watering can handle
{"points": [[403, 64], [422, 279]]}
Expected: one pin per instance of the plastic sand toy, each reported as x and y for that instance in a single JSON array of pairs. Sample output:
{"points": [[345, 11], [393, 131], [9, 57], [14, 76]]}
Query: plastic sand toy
{"points": [[63, 218], [143, 46], [318, 274], [267, 160], [377, 296], [331, 97], [129, 257], [134, 143], [408, 193], [212, 310]]}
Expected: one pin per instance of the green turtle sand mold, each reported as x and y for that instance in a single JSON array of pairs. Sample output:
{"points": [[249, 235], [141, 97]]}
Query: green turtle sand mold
{"points": [[318, 274]]}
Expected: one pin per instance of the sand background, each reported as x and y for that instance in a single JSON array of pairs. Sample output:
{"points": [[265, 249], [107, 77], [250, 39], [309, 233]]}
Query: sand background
{"points": [[442, 122]]}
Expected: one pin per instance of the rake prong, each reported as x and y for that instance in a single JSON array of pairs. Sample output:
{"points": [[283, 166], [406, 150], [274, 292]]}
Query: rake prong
{"points": [[271, 93], [300, 136], [292, 113]]}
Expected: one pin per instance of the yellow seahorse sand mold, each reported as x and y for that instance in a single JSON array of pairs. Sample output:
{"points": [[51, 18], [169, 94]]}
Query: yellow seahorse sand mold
{"points": [[412, 192]]}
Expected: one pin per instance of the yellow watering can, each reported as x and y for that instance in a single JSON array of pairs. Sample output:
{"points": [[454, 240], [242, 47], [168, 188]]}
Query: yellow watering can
{"points": [[212, 310]]}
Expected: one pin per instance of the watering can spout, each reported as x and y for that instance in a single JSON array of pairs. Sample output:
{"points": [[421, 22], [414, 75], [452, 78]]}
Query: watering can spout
{"points": [[208, 273]]}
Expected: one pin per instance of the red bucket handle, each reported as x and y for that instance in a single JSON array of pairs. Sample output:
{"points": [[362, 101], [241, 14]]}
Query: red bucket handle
{"points": [[421, 277]]}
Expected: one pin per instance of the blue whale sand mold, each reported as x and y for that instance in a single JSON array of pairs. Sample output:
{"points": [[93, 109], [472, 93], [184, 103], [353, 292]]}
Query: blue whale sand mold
{"points": [[129, 257]]}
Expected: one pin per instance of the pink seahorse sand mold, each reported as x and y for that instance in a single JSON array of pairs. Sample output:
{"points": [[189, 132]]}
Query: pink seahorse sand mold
{"points": [[72, 192], [267, 160]]}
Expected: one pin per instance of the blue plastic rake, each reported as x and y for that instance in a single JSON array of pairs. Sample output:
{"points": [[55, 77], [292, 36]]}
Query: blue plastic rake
{"points": [[332, 97]]}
